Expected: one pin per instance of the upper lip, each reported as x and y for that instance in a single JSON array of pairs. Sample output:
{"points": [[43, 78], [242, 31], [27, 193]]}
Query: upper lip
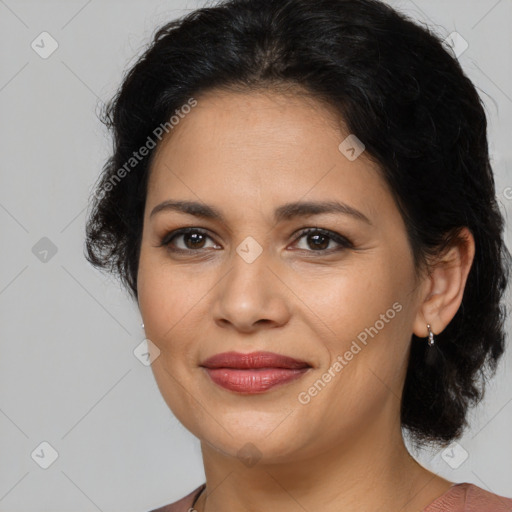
{"points": [[253, 360]]}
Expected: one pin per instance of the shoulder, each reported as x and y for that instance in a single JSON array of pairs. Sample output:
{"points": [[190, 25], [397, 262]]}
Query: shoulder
{"points": [[466, 497], [480, 500], [182, 505]]}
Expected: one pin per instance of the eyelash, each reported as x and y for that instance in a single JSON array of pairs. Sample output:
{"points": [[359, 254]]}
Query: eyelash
{"points": [[344, 243]]}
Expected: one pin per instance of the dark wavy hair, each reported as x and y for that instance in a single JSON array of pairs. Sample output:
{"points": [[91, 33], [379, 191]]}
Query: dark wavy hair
{"points": [[399, 90]]}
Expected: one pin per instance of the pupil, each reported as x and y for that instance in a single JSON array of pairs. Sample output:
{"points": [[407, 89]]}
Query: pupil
{"points": [[320, 246], [195, 238]]}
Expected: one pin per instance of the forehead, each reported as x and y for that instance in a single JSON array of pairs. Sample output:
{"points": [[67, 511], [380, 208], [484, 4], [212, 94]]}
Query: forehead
{"points": [[260, 147]]}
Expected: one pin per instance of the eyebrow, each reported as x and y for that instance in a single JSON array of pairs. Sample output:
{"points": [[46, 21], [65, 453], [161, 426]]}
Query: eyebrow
{"points": [[285, 212]]}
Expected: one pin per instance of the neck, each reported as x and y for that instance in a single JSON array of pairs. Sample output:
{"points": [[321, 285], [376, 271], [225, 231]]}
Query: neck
{"points": [[371, 471]]}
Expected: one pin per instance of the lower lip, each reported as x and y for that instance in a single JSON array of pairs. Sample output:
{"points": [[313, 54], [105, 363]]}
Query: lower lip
{"points": [[253, 380]]}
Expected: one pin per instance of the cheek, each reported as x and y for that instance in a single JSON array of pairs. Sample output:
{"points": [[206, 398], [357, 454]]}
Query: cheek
{"points": [[354, 300], [167, 294], [366, 339], [365, 319], [168, 301]]}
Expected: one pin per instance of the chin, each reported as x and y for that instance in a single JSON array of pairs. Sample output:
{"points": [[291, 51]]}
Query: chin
{"points": [[253, 442]]}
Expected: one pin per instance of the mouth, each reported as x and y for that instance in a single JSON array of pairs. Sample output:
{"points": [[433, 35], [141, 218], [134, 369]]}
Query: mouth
{"points": [[255, 372]]}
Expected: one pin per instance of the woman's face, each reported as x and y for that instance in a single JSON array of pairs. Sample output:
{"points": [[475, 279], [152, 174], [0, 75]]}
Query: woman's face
{"points": [[251, 281]]}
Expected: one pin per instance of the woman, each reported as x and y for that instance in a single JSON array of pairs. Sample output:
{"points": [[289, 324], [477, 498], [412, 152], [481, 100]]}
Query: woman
{"points": [[301, 202]]}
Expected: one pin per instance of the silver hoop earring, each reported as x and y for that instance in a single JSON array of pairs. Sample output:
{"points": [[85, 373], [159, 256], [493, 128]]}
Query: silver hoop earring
{"points": [[430, 336], [142, 325]]}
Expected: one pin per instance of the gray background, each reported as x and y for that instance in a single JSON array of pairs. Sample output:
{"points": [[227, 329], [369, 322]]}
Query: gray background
{"points": [[68, 375]]}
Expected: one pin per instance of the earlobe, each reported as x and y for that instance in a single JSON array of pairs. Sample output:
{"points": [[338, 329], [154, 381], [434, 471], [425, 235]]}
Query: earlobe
{"points": [[444, 286]]}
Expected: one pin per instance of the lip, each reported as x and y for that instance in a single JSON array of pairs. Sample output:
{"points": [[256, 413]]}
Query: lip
{"points": [[254, 372], [253, 360]]}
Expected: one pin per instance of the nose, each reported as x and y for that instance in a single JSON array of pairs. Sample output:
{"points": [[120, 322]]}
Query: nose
{"points": [[251, 296]]}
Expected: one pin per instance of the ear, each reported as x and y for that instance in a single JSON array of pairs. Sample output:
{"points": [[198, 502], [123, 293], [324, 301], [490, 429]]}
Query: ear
{"points": [[443, 288]]}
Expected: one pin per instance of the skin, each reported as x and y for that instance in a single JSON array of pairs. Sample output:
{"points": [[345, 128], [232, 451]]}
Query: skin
{"points": [[247, 154]]}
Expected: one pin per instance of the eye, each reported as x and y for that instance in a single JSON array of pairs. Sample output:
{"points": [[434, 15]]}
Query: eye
{"points": [[192, 239], [319, 239]]}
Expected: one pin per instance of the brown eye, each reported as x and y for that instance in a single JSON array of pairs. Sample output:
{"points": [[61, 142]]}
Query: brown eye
{"points": [[318, 240], [192, 239]]}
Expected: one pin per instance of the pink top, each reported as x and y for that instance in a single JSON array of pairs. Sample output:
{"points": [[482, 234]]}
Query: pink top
{"points": [[463, 497]]}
